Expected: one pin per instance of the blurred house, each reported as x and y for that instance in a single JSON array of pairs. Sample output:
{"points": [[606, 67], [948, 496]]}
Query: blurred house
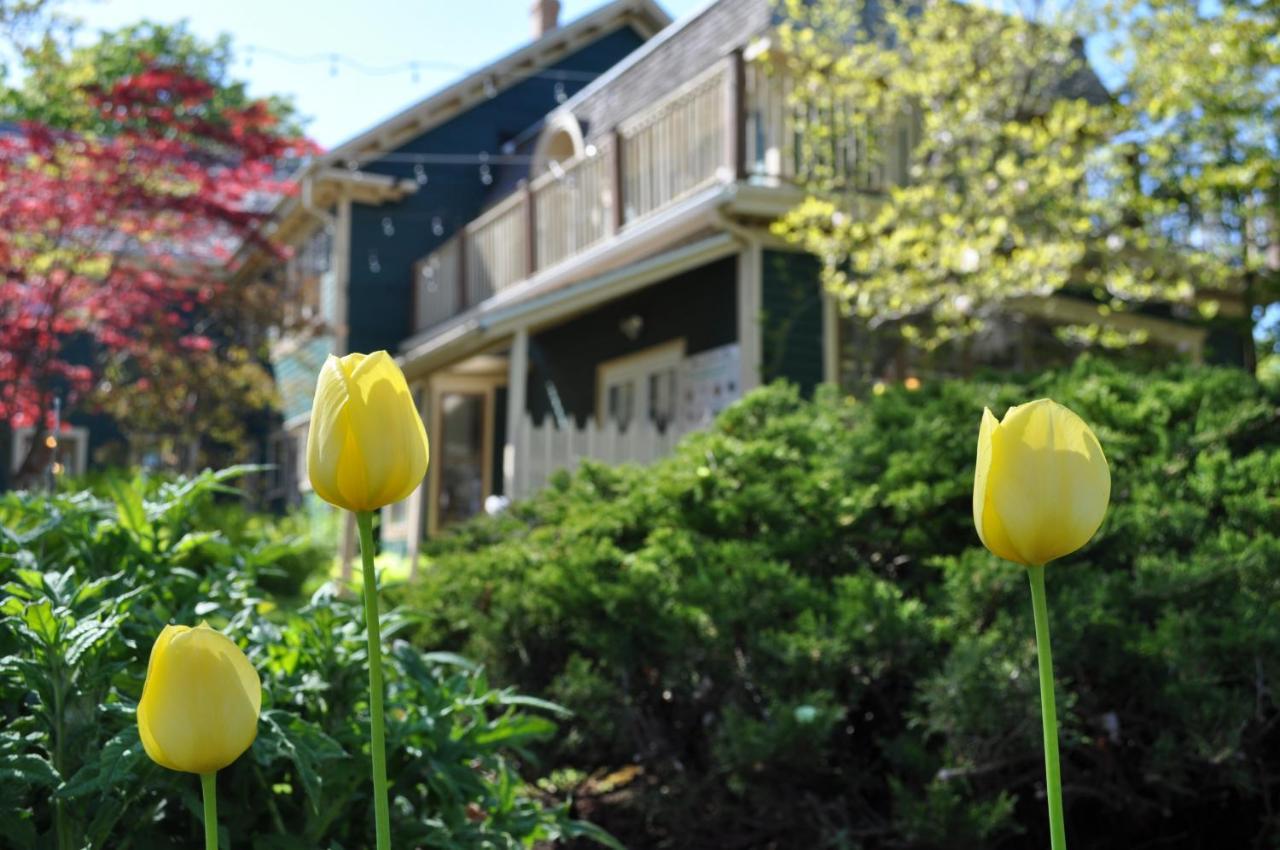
{"points": [[569, 253]]}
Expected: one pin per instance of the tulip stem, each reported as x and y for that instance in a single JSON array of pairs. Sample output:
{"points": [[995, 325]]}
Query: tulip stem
{"points": [[209, 785], [1048, 710], [377, 744]]}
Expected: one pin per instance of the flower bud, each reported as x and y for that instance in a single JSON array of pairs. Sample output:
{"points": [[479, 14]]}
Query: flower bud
{"points": [[366, 447], [199, 706], [1041, 485]]}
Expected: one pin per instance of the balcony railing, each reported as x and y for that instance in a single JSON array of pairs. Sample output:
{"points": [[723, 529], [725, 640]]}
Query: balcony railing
{"points": [[737, 120]]}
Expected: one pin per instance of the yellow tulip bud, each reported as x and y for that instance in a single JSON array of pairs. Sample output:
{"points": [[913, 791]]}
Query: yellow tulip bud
{"points": [[199, 706], [1041, 485], [366, 447]]}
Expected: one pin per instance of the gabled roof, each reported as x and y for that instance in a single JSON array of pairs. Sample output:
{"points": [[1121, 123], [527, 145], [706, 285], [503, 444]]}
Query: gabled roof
{"points": [[644, 15]]}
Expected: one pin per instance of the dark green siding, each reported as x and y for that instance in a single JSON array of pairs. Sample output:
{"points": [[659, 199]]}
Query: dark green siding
{"points": [[499, 440], [386, 240], [699, 306], [791, 324]]}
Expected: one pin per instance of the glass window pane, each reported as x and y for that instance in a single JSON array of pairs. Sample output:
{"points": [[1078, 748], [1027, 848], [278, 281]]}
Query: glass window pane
{"points": [[461, 457]]}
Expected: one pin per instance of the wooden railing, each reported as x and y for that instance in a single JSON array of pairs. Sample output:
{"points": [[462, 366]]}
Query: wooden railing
{"points": [[437, 291], [496, 249], [573, 206], [736, 120], [677, 147]]}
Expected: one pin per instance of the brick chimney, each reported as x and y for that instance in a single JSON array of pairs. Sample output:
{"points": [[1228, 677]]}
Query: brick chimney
{"points": [[544, 16]]}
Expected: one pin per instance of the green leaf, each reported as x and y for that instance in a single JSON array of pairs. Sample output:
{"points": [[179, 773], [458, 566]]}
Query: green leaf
{"points": [[303, 743], [27, 769], [41, 621], [114, 766], [514, 731]]}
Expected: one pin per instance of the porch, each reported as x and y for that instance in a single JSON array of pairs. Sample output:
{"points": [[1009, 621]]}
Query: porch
{"points": [[620, 379]]}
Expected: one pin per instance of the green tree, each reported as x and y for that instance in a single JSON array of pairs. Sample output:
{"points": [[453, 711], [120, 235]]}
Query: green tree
{"points": [[1201, 88], [991, 165]]}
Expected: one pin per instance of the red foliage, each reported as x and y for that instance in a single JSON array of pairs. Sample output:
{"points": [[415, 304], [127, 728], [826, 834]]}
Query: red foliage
{"points": [[114, 244]]}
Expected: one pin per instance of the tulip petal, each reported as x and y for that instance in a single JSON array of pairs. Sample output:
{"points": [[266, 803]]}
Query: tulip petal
{"points": [[149, 742], [200, 704], [329, 430], [391, 434], [985, 518], [1050, 484]]}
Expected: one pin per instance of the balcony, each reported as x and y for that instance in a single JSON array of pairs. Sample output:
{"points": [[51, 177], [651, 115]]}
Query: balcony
{"points": [[734, 122]]}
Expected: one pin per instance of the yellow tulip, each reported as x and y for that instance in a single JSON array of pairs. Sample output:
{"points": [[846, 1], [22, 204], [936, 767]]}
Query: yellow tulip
{"points": [[199, 706], [366, 447], [1041, 485]]}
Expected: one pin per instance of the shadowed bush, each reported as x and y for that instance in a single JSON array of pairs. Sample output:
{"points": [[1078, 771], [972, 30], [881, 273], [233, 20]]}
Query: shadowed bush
{"points": [[791, 627]]}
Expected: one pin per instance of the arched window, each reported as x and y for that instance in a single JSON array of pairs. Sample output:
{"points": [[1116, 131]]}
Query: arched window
{"points": [[560, 141]]}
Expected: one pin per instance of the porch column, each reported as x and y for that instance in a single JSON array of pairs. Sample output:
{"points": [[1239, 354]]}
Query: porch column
{"points": [[830, 339], [750, 274], [517, 380]]}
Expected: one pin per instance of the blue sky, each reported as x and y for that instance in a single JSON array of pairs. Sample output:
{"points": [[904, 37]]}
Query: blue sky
{"points": [[375, 33]]}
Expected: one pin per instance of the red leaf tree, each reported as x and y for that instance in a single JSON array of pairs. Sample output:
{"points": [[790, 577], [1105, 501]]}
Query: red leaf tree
{"points": [[115, 242]]}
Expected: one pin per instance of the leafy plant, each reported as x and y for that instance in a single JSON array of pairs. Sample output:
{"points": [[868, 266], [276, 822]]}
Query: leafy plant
{"points": [[89, 583]]}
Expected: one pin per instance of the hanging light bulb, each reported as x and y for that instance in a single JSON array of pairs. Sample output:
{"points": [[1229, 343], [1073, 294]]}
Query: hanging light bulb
{"points": [[561, 94], [420, 174], [490, 90], [437, 226], [374, 265], [485, 176], [388, 226]]}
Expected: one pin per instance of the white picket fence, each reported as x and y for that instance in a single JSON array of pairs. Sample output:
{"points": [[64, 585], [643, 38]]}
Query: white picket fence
{"points": [[542, 449]]}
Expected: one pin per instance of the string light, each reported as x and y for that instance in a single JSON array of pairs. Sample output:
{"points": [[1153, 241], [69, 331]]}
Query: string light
{"points": [[335, 61]]}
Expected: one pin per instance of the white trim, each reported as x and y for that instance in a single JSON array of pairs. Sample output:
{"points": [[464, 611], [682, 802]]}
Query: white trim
{"points": [[750, 304], [517, 382], [830, 338], [567, 124]]}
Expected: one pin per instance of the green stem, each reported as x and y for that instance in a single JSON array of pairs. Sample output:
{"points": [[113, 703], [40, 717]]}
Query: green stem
{"points": [[209, 785], [1048, 710], [377, 743], [61, 828]]}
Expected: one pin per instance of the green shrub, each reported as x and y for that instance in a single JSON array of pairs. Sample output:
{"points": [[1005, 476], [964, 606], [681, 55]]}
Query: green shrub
{"points": [[791, 626], [89, 583]]}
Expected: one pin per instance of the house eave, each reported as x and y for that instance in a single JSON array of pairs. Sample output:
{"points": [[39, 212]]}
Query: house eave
{"points": [[644, 15]]}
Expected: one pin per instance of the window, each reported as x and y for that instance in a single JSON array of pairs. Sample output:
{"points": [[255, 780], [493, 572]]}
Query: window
{"points": [[462, 456], [69, 454], [641, 387]]}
